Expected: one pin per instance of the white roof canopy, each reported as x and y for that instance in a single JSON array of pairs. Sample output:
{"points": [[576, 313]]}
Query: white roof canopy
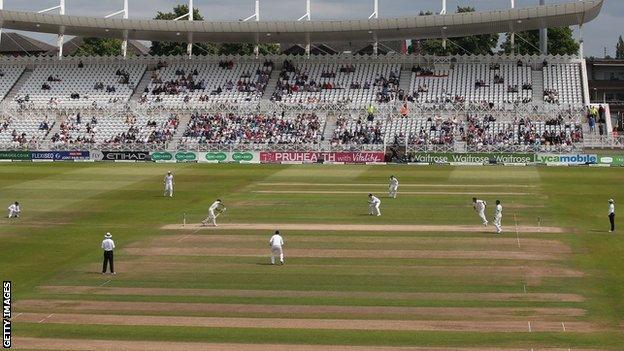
{"points": [[416, 27]]}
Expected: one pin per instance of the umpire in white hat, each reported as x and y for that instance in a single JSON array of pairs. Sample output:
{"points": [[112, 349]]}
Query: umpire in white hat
{"points": [[108, 245]]}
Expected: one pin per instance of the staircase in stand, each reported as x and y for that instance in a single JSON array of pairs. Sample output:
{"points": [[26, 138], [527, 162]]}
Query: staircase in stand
{"points": [[328, 132], [405, 81], [184, 121], [10, 96], [271, 85], [537, 80], [143, 83]]}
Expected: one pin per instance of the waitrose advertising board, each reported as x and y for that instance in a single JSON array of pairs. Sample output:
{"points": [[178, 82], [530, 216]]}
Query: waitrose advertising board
{"points": [[474, 158]]}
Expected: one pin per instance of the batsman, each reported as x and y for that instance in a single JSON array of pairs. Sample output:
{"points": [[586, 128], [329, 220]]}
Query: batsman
{"points": [[214, 211]]}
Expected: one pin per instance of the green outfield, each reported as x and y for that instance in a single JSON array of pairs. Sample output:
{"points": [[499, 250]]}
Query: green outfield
{"points": [[423, 276]]}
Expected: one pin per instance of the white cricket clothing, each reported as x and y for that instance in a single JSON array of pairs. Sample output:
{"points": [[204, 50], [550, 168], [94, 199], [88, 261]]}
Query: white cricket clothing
{"points": [[212, 216], [393, 187], [498, 217], [214, 206], [168, 185], [276, 242], [14, 210], [479, 206], [108, 244], [373, 206], [611, 208]]}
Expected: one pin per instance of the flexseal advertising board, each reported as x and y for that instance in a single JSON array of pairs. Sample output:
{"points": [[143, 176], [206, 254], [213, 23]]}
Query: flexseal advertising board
{"points": [[60, 155], [566, 159], [472, 158], [313, 157]]}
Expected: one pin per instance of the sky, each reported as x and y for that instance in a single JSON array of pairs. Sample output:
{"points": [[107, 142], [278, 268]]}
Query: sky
{"points": [[599, 34]]}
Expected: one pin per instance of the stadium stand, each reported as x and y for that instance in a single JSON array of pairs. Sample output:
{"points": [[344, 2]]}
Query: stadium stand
{"points": [[181, 84], [122, 129], [354, 85], [379, 101], [9, 75], [24, 130], [75, 84], [231, 128]]}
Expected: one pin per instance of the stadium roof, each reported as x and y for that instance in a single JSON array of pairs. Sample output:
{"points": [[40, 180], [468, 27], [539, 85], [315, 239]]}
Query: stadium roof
{"points": [[16, 44], [416, 27]]}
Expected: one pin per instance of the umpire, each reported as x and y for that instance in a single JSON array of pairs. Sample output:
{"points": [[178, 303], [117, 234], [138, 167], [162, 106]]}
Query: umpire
{"points": [[612, 215], [108, 245]]}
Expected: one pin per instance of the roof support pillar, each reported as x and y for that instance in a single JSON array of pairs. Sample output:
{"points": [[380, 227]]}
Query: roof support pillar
{"points": [[124, 43], [189, 45], [1, 8], [61, 36], [375, 15], [513, 34], [543, 35], [307, 16]]}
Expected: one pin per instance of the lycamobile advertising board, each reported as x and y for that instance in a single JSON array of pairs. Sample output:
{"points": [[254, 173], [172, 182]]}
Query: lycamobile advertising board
{"points": [[476, 158], [14, 155], [567, 159]]}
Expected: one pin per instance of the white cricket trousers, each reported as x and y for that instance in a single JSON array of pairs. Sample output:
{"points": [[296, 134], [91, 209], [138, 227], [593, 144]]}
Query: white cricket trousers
{"points": [[373, 209], [497, 223], [393, 191], [168, 189], [13, 214], [482, 216], [277, 251]]}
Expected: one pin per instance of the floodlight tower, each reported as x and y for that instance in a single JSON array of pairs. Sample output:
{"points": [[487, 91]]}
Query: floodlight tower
{"points": [[124, 12], [375, 15], [543, 35], [255, 16], [61, 39], [189, 45], [307, 17]]}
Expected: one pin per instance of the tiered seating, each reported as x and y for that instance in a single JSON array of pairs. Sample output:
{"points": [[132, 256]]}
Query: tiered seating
{"points": [[562, 83], [420, 131], [24, 130], [8, 76], [487, 132], [123, 129], [358, 131], [181, 84], [473, 82], [253, 129], [71, 84], [354, 85]]}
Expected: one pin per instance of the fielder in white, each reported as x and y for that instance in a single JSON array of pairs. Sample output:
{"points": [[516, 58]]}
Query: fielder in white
{"points": [[393, 187], [373, 205], [498, 217], [275, 243], [214, 211], [168, 181], [14, 210], [479, 206]]}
